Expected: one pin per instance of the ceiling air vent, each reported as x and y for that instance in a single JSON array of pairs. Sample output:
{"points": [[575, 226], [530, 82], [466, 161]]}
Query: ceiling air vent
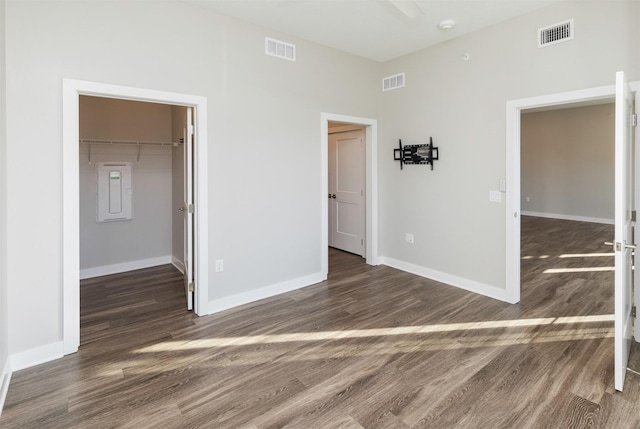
{"points": [[555, 33], [280, 49], [393, 82]]}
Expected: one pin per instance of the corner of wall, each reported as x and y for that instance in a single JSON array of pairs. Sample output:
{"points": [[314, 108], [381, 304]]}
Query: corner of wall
{"points": [[449, 279], [5, 375]]}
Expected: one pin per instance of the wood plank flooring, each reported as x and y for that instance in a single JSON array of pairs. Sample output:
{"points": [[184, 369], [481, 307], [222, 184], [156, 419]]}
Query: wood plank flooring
{"points": [[372, 347]]}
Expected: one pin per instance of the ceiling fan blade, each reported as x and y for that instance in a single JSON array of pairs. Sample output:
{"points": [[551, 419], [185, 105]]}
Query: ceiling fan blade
{"points": [[409, 8]]}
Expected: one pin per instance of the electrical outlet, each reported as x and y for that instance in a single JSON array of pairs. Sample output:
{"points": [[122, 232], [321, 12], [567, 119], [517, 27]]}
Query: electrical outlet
{"points": [[528, 199], [219, 265], [495, 196], [408, 238]]}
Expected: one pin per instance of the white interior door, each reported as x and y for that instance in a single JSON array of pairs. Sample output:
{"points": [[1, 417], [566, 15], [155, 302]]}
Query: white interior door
{"points": [[346, 188], [188, 207], [623, 244]]}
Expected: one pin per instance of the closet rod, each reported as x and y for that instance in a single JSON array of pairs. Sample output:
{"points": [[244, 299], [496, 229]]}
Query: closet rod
{"points": [[129, 142]]}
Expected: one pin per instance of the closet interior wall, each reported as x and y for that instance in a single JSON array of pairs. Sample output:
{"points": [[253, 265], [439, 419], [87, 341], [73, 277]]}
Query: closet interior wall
{"points": [[148, 239]]}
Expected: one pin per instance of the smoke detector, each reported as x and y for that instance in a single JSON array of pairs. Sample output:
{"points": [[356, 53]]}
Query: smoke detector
{"points": [[446, 24]]}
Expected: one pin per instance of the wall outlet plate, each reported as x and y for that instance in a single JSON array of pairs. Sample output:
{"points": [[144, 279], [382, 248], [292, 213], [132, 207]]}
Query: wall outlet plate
{"points": [[495, 196]]}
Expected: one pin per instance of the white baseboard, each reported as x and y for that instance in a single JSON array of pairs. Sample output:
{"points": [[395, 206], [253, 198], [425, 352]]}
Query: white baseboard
{"points": [[459, 282], [178, 264], [569, 217], [106, 270], [226, 303], [5, 379], [33, 357]]}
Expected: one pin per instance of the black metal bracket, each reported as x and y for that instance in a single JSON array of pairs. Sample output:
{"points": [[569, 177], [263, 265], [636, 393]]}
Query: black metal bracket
{"points": [[416, 154]]}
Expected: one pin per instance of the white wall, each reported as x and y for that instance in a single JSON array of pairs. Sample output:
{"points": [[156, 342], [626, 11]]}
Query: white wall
{"points": [[567, 163], [459, 234], [4, 307], [107, 247], [263, 149]]}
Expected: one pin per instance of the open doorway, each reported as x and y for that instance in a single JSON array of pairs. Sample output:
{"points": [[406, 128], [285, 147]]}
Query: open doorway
{"points": [[133, 171], [515, 108], [567, 200], [624, 212], [72, 90], [370, 127]]}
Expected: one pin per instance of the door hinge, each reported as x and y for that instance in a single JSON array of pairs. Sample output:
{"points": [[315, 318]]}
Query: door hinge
{"points": [[362, 241], [191, 208], [634, 120], [633, 311], [191, 287], [633, 215]]}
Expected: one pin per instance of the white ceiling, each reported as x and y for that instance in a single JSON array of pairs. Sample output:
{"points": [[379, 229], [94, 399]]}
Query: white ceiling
{"points": [[375, 29]]}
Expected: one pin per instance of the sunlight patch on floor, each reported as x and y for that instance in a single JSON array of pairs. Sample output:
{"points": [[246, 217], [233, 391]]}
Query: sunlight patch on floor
{"points": [[409, 330], [578, 270], [586, 255], [570, 255]]}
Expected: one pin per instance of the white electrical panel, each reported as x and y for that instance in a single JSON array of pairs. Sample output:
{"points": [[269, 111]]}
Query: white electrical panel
{"points": [[114, 191]]}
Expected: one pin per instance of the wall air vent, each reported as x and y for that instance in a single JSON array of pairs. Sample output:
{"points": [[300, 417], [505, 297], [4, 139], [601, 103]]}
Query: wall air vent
{"points": [[280, 49], [555, 33], [393, 82]]}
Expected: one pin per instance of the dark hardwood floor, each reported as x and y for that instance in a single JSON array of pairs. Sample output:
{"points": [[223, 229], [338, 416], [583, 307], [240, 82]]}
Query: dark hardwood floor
{"points": [[372, 347]]}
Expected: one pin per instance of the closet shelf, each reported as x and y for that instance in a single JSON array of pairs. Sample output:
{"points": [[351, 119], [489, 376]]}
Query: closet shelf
{"points": [[139, 144], [129, 142]]}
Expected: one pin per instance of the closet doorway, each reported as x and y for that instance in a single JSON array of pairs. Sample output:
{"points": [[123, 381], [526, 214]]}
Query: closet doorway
{"points": [[72, 90], [136, 164]]}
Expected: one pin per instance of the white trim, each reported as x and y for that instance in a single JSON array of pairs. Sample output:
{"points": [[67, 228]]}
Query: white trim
{"points": [[512, 223], [36, 356], [569, 217], [123, 267], [71, 90], [448, 279], [5, 380], [252, 296], [371, 187], [177, 263]]}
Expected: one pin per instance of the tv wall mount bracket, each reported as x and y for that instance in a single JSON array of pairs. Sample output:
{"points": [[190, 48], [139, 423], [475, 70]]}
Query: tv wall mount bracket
{"points": [[416, 154]]}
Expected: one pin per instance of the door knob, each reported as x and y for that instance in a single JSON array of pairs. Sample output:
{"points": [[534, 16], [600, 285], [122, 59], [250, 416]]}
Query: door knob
{"points": [[618, 246], [333, 195], [181, 209]]}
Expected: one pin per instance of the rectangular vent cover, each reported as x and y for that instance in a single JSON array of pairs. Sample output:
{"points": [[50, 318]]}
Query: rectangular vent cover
{"points": [[280, 49], [555, 33], [393, 82]]}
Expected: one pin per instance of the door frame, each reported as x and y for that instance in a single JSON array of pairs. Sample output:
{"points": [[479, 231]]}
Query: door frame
{"points": [[371, 186], [71, 91], [513, 209]]}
